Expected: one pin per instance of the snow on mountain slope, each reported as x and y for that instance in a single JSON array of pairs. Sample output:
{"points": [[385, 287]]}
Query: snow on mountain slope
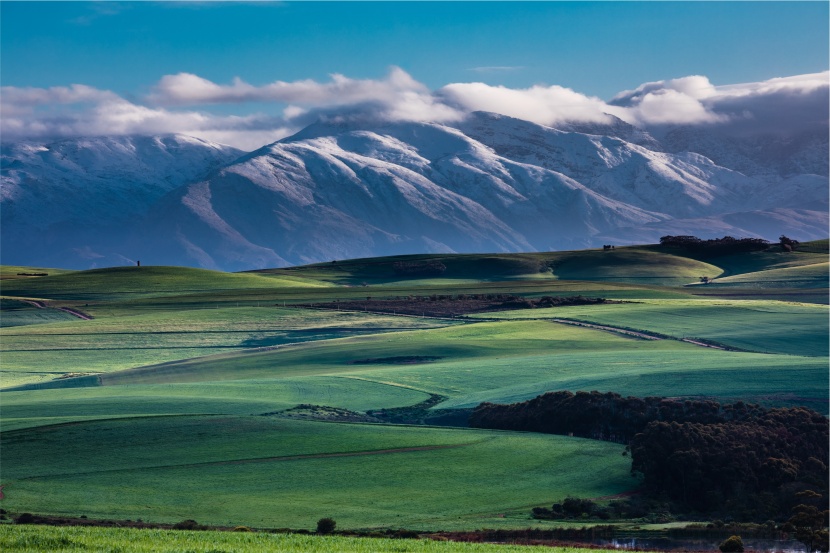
{"points": [[768, 156], [490, 183], [58, 196], [359, 189]]}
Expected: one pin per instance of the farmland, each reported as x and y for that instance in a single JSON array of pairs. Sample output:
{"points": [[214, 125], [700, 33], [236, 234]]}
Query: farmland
{"points": [[166, 393]]}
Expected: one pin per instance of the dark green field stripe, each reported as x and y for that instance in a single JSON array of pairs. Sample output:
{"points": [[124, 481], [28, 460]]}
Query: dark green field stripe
{"points": [[261, 460]]}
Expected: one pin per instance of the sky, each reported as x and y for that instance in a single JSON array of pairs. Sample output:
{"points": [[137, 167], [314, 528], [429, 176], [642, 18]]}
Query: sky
{"points": [[247, 73]]}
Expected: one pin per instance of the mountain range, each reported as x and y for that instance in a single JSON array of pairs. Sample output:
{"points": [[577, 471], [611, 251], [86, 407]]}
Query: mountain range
{"points": [[345, 189]]}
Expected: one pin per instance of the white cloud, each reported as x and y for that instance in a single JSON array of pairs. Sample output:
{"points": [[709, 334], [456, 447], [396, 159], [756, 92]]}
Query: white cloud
{"points": [[79, 110], [544, 105], [181, 104], [787, 104], [189, 89]]}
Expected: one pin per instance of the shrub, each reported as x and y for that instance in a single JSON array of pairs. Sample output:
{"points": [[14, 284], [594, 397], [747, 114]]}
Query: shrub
{"points": [[732, 544], [242, 529], [188, 524], [326, 525], [25, 518]]}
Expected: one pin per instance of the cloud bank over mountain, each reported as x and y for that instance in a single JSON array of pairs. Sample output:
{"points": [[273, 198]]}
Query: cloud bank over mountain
{"points": [[187, 103]]}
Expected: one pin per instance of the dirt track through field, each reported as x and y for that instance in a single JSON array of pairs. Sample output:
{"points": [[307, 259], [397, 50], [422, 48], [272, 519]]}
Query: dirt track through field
{"points": [[633, 333], [73, 312], [640, 334]]}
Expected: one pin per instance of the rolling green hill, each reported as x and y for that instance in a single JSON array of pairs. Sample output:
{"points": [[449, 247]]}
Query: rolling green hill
{"points": [[178, 398]]}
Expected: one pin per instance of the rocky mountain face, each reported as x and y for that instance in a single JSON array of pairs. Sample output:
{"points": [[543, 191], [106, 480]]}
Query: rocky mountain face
{"points": [[333, 191]]}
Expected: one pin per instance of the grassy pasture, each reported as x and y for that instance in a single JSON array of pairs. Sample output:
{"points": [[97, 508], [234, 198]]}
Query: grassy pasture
{"points": [[248, 470], [36, 539], [11, 272], [472, 342], [627, 265], [755, 325], [131, 282], [516, 360], [176, 430], [39, 353], [243, 397], [801, 276], [14, 312]]}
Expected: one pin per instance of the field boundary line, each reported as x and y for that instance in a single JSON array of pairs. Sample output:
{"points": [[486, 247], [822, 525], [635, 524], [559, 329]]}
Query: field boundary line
{"points": [[412, 449], [643, 335], [648, 335], [43, 305]]}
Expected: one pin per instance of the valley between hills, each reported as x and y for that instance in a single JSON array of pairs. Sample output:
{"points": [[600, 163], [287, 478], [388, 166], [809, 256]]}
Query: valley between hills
{"points": [[271, 399]]}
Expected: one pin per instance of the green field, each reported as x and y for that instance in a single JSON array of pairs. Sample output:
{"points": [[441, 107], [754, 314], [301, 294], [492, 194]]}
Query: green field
{"points": [[272, 472], [174, 401], [36, 539], [38, 353], [754, 325]]}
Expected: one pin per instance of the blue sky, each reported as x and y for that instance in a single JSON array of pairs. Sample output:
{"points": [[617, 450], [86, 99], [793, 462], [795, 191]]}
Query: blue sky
{"points": [[157, 67], [597, 48]]}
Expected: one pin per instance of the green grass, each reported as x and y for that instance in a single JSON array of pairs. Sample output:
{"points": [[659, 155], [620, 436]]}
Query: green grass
{"points": [[815, 246], [247, 397], [755, 325], [266, 472], [37, 539], [171, 424], [10, 272], [121, 282], [750, 262], [514, 360], [801, 276], [26, 315], [39, 353], [632, 265]]}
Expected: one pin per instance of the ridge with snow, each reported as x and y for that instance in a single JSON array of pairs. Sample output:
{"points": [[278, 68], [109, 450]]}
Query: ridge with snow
{"points": [[340, 190]]}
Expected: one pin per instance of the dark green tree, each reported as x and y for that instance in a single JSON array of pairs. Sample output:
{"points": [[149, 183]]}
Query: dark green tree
{"points": [[326, 525]]}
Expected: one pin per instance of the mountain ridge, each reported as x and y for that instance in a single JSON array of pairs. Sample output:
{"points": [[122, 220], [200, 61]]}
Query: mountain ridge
{"points": [[348, 189]]}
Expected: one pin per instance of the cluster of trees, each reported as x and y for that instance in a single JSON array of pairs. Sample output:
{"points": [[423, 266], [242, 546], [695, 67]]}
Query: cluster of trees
{"points": [[715, 246], [419, 268], [742, 459], [604, 416], [787, 244], [753, 468]]}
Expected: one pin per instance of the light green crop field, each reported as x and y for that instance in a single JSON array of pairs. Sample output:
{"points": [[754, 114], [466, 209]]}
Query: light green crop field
{"points": [[37, 539], [270, 472], [38, 353], [755, 325], [131, 282], [169, 403], [12, 272], [238, 397], [515, 360], [24, 316], [814, 275]]}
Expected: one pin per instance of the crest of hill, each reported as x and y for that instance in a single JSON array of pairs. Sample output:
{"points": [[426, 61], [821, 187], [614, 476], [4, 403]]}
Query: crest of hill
{"points": [[630, 264], [145, 281]]}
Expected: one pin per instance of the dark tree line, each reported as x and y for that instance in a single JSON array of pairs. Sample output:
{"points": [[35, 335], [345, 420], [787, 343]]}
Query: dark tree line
{"points": [[419, 268], [604, 416], [743, 459], [715, 246]]}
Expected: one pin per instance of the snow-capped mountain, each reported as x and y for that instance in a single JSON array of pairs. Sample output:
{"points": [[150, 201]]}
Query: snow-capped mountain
{"points": [[63, 200], [488, 183]]}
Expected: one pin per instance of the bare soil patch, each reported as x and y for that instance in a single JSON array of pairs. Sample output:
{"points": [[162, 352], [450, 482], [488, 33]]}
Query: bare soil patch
{"points": [[454, 305]]}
